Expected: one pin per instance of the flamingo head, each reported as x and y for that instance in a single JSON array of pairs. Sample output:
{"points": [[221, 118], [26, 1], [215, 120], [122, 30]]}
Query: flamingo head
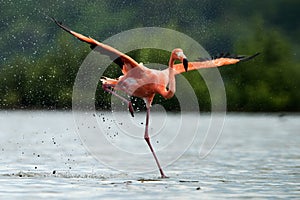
{"points": [[177, 54]]}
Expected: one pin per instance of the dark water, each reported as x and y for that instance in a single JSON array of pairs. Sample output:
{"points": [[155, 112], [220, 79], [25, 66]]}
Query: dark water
{"points": [[257, 156]]}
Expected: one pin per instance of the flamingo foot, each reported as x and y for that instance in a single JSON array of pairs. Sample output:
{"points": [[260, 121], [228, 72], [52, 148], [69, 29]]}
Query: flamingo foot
{"points": [[130, 108], [164, 176]]}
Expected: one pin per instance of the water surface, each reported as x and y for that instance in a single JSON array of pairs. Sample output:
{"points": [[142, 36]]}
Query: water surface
{"points": [[257, 156]]}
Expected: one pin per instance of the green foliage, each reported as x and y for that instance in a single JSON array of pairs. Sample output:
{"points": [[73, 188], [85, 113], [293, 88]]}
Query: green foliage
{"points": [[39, 62], [268, 82]]}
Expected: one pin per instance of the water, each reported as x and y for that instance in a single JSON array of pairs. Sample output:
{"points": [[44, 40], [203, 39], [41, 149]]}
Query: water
{"points": [[257, 156]]}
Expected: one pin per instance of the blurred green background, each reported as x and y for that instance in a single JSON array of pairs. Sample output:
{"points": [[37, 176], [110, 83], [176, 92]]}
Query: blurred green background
{"points": [[39, 62]]}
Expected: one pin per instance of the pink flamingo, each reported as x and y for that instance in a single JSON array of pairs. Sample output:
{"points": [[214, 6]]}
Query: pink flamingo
{"points": [[143, 82]]}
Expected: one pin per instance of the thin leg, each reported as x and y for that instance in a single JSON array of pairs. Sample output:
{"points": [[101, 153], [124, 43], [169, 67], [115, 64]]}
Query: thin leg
{"points": [[147, 138], [130, 108]]}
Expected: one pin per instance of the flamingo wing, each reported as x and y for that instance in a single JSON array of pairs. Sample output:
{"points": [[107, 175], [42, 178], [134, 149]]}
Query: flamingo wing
{"points": [[217, 61], [121, 59]]}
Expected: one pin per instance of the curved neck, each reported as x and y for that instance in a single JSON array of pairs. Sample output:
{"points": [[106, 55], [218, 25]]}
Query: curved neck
{"points": [[172, 84], [171, 62]]}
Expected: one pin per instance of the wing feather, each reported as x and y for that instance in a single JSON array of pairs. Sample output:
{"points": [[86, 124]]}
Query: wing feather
{"points": [[217, 61], [121, 59]]}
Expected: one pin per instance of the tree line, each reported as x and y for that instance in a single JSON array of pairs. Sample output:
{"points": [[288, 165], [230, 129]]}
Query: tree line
{"points": [[39, 62]]}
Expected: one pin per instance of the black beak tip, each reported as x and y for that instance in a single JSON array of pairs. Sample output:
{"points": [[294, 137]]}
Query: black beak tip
{"points": [[185, 64]]}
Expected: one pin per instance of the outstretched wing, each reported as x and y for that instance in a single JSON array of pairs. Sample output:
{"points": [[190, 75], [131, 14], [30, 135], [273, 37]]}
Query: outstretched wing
{"points": [[218, 61], [124, 61]]}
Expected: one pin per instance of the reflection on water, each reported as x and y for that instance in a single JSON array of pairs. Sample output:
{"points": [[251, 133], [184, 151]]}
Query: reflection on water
{"points": [[257, 156]]}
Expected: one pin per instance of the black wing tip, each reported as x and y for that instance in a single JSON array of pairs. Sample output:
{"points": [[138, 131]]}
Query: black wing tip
{"points": [[246, 58], [55, 21], [59, 23]]}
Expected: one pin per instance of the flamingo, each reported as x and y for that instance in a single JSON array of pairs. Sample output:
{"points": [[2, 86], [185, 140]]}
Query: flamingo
{"points": [[142, 82]]}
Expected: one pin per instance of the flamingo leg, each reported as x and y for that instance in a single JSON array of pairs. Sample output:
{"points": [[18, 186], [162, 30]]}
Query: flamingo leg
{"points": [[106, 88], [147, 138]]}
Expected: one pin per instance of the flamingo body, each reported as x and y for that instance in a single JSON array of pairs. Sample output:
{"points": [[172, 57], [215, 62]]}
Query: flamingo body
{"points": [[140, 81]]}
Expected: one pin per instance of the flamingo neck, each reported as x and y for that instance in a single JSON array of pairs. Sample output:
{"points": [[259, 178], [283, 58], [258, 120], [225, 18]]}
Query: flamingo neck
{"points": [[172, 84], [171, 62]]}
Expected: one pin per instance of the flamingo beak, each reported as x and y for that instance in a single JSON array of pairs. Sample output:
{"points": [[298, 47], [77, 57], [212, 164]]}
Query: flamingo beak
{"points": [[185, 64]]}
